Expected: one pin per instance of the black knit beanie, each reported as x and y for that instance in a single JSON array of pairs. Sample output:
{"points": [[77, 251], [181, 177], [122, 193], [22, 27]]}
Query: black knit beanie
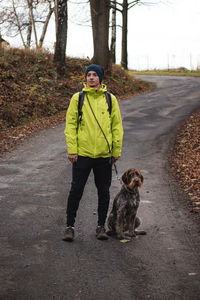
{"points": [[96, 68]]}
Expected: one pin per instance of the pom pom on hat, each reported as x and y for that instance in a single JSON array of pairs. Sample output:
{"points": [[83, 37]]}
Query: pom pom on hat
{"points": [[96, 68]]}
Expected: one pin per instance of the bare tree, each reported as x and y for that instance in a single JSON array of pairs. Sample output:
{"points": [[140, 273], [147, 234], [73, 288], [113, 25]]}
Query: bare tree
{"points": [[124, 53], [46, 23], [18, 16], [124, 7], [32, 20], [18, 23], [61, 33], [100, 29], [43, 19], [29, 31], [113, 35]]}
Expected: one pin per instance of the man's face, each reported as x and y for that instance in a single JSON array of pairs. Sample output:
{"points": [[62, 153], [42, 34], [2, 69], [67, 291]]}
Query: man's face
{"points": [[92, 79]]}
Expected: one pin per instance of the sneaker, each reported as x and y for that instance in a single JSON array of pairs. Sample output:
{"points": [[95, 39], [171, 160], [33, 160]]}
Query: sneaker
{"points": [[68, 234], [101, 233]]}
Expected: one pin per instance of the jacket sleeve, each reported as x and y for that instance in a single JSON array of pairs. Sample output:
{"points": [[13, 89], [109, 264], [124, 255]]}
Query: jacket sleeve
{"points": [[117, 128], [72, 125]]}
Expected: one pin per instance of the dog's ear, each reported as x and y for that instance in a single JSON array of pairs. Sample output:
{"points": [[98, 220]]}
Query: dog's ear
{"points": [[142, 178], [125, 178], [140, 175]]}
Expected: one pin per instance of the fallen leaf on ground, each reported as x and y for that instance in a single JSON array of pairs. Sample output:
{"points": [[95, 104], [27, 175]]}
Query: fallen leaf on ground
{"points": [[124, 241]]}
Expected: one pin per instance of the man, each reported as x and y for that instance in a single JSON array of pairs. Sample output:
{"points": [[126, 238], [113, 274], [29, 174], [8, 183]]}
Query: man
{"points": [[94, 141]]}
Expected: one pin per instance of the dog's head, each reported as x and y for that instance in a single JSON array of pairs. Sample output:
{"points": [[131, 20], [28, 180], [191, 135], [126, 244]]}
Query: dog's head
{"points": [[132, 178]]}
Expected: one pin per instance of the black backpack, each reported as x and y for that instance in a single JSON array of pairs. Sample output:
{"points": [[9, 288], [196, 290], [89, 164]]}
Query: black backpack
{"points": [[81, 99]]}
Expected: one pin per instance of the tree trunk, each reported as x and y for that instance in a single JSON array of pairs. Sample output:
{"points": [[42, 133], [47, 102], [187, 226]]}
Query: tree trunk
{"points": [[124, 55], [100, 29], [61, 33], [29, 32], [113, 38], [56, 16], [44, 30], [30, 6]]}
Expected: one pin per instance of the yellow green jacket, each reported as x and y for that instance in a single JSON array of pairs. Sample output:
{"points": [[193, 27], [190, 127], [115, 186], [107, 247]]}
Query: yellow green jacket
{"points": [[85, 138]]}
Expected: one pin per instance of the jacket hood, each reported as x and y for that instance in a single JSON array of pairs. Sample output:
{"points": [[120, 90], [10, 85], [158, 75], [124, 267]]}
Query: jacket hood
{"points": [[103, 89]]}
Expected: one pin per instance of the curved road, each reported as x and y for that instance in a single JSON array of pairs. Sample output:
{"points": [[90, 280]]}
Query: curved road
{"points": [[35, 180]]}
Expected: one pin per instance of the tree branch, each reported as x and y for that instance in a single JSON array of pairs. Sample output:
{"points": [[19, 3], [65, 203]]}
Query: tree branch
{"points": [[134, 2], [18, 23], [115, 8], [51, 10], [112, 2]]}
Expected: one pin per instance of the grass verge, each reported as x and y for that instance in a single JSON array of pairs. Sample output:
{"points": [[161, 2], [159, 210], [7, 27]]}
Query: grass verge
{"points": [[170, 72]]}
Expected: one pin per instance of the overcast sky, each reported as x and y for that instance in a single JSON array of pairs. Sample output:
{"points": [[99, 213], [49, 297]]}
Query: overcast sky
{"points": [[166, 33], [159, 36]]}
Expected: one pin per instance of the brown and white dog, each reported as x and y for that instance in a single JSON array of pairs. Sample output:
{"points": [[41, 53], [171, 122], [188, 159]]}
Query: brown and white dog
{"points": [[123, 220]]}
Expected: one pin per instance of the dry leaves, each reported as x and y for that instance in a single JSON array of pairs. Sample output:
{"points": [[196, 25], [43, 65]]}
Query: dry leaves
{"points": [[185, 159], [30, 90]]}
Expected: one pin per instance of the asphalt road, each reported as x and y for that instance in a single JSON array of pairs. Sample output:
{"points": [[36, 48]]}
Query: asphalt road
{"points": [[34, 183]]}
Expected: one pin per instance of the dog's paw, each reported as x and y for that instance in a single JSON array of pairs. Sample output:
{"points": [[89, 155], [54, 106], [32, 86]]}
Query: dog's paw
{"points": [[122, 237], [130, 234], [111, 233]]}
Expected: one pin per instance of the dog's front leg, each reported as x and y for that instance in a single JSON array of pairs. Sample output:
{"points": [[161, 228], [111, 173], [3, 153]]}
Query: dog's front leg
{"points": [[120, 226], [131, 231]]}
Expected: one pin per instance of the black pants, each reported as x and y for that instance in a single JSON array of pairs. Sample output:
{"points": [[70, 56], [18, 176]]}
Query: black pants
{"points": [[102, 169]]}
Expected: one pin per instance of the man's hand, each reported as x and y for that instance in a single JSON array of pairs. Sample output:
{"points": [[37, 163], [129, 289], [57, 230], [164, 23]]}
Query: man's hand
{"points": [[72, 157], [114, 158]]}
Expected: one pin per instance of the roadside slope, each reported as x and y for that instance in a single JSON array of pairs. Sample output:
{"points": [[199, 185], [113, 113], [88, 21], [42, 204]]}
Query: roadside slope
{"points": [[184, 159], [33, 97]]}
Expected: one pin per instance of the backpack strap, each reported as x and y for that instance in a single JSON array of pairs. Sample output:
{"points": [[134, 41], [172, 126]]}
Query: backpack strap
{"points": [[80, 105], [109, 101], [81, 100]]}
